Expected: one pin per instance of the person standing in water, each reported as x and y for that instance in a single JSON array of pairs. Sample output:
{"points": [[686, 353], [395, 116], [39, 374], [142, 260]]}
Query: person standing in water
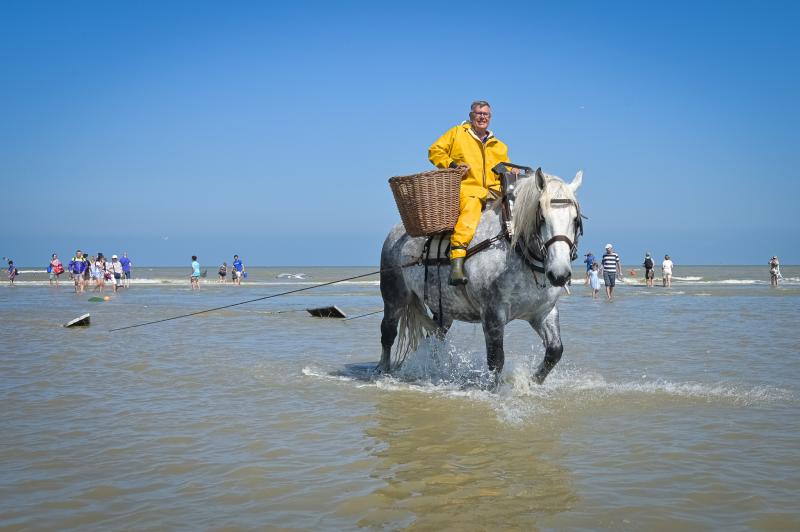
{"points": [[77, 266], [774, 271], [56, 268], [12, 272], [125, 262], [195, 278], [612, 267], [666, 272], [594, 280], [589, 261], [223, 272], [115, 268], [237, 270], [649, 270]]}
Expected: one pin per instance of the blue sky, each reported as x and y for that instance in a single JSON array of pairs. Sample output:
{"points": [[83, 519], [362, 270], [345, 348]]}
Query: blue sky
{"points": [[176, 128]]}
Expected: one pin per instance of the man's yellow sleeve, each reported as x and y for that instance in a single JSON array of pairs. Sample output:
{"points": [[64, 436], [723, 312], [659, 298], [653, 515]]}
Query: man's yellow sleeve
{"points": [[439, 152]]}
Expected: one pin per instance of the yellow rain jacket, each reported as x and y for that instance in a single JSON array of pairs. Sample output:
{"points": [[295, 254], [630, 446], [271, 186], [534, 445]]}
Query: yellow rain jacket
{"points": [[462, 146]]}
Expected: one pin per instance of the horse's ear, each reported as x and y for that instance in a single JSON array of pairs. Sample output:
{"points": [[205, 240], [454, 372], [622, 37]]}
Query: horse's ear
{"points": [[540, 180], [576, 183]]}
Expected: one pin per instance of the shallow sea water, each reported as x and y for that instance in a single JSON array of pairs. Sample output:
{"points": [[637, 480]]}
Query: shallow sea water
{"points": [[670, 408]]}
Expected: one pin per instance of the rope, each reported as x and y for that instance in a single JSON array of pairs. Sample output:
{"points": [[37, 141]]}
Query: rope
{"points": [[256, 299], [364, 315]]}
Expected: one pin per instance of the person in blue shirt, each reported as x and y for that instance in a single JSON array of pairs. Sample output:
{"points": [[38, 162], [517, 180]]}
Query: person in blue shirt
{"points": [[12, 272], [195, 279], [77, 266], [589, 260], [126, 269], [238, 270]]}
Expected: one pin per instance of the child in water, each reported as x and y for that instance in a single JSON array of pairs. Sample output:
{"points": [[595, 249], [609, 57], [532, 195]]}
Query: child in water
{"points": [[594, 280]]}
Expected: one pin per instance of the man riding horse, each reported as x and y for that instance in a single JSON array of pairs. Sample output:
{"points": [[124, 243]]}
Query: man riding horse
{"points": [[470, 144]]}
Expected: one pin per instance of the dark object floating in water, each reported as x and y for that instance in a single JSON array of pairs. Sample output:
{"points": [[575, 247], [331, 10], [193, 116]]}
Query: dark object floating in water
{"points": [[80, 321], [327, 312], [96, 299]]}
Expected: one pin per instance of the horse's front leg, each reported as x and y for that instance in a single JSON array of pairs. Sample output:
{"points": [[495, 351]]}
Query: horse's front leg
{"points": [[550, 331], [494, 324]]}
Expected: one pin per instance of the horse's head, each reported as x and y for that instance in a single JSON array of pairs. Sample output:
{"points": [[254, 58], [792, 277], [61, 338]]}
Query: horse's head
{"points": [[547, 223]]}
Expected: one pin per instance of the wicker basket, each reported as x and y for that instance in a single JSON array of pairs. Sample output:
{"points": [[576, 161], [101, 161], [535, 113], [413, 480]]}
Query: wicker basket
{"points": [[428, 202]]}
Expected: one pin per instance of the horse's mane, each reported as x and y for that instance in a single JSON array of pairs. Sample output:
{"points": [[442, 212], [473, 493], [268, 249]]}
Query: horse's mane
{"points": [[532, 204]]}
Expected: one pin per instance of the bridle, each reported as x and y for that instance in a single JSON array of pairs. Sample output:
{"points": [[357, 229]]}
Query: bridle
{"points": [[540, 249]]}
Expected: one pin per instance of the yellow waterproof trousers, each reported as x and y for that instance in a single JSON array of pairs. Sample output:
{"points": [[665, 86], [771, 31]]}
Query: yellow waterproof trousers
{"points": [[468, 218]]}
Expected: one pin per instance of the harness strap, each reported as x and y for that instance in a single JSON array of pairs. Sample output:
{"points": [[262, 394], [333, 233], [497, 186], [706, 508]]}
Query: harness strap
{"points": [[559, 238], [439, 316], [426, 252]]}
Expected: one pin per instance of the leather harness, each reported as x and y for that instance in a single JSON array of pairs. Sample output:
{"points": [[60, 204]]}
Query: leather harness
{"points": [[533, 258]]}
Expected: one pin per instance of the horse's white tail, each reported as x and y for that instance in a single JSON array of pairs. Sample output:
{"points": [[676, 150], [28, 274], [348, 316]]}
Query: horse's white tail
{"points": [[414, 323]]}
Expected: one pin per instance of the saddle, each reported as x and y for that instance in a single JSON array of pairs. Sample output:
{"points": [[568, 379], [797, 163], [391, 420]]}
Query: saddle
{"points": [[508, 182]]}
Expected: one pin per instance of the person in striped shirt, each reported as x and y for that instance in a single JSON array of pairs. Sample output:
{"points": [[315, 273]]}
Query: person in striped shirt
{"points": [[612, 267]]}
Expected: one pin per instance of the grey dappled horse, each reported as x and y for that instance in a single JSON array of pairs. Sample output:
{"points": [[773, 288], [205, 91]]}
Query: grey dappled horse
{"points": [[503, 284]]}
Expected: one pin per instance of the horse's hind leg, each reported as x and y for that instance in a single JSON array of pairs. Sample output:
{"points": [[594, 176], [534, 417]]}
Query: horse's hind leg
{"points": [[550, 331], [391, 317], [396, 297]]}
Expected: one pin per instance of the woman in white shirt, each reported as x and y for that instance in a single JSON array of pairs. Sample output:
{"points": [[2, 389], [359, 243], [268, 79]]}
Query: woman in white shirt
{"points": [[666, 272]]}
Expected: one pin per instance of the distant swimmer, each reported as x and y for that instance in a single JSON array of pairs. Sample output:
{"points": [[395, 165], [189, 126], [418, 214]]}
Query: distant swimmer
{"points": [[774, 271], [666, 272], [649, 270]]}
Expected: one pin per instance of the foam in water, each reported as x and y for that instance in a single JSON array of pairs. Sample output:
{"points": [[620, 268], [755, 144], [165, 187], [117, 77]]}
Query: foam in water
{"points": [[441, 368]]}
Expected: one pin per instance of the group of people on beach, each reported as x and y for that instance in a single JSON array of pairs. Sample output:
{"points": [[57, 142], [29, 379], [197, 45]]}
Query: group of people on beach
{"points": [[97, 269], [236, 269], [610, 267]]}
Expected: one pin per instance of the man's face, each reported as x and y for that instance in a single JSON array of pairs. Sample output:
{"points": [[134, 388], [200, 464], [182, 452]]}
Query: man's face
{"points": [[480, 117]]}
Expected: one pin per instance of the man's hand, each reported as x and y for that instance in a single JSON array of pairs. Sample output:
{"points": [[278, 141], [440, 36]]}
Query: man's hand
{"points": [[456, 165]]}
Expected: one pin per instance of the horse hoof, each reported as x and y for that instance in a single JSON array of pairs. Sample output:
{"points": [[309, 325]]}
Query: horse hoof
{"points": [[495, 382]]}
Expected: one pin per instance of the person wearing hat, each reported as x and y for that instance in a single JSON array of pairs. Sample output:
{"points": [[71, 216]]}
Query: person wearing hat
{"points": [[612, 267], [774, 271], [116, 271], [649, 270]]}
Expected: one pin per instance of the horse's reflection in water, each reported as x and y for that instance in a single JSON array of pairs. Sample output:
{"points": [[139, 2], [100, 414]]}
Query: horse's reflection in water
{"points": [[520, 279], [450, 464]]}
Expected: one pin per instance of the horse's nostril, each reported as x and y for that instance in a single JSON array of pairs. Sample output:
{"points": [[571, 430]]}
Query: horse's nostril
{"points": [[558, 280]]}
